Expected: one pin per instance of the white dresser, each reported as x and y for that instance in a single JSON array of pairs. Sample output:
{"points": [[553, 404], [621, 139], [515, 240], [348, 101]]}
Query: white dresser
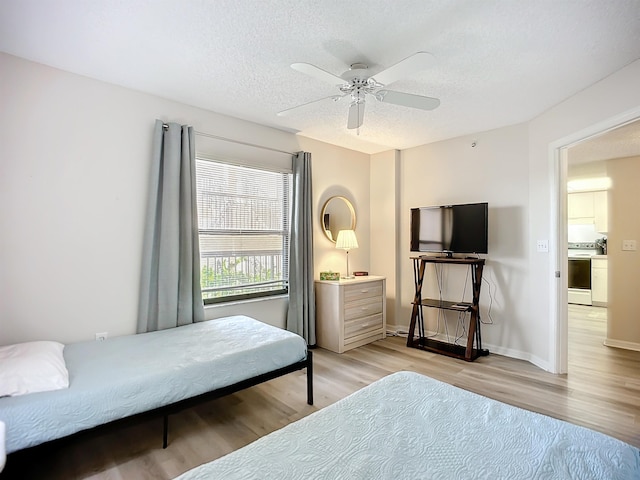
{"points": [[350, 312]]}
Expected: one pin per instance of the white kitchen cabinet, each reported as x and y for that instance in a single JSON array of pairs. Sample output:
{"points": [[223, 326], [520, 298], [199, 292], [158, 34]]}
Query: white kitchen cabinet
{"points": [[599, 281], [350, 312], [586, 208], [580, 207], [600, 211]]}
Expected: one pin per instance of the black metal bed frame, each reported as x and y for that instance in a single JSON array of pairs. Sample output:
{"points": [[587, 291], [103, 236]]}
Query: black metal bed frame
{"points": [[236, 387], [180, 405]]}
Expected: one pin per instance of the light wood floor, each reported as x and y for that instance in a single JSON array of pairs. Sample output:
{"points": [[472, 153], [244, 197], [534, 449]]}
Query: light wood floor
{"points": [[601, 391]]}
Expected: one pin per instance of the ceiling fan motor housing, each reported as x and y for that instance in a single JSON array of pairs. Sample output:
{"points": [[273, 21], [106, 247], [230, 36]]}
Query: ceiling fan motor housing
{"points": [[358, 83], [356, 70]]}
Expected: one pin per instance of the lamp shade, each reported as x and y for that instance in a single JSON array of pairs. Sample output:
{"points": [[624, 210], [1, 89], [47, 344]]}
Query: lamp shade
{"points": [[346, 240]]}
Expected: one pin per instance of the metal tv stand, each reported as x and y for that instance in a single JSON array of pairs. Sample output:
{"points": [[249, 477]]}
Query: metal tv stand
{"points": [[469, 352]]}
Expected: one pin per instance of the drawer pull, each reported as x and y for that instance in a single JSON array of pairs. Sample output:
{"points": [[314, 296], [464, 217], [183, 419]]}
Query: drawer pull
{"points": [[365, 325], [364, 290]]}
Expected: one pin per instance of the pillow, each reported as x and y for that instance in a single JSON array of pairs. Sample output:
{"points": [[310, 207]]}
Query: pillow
{"points": [[32, 367]]}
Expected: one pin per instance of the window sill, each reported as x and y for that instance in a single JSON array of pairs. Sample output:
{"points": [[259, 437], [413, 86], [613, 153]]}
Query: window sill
{"points": [[233, 303]]}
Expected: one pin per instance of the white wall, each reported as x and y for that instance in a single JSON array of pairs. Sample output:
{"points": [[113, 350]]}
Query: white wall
{"points": [[338, 171], [74, 162], [385, 228], [494, 171], [609, 98]]}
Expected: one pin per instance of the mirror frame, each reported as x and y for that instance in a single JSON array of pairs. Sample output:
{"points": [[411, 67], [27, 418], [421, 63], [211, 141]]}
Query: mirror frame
{"points": [[324, 210]]}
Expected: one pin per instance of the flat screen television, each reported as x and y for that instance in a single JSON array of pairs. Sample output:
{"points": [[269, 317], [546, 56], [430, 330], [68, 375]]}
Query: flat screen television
{"points": [[450, 229]]}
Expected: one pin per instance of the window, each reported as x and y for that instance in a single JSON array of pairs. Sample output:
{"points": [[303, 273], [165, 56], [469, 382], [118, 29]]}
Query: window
{"points": [[243, 226]]}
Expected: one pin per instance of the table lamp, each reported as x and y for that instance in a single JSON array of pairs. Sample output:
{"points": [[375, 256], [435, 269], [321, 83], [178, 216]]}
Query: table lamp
{"points": [[346, 241]]}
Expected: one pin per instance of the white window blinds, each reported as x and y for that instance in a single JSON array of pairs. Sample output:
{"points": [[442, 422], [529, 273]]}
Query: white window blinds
{"points": [[243, 222]]}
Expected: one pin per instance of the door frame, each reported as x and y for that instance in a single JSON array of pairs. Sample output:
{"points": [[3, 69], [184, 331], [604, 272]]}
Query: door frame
{"points": [[558, 255]]}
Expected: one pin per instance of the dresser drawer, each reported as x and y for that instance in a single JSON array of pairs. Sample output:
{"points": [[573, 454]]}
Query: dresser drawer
{"points": [[367, 290], [363, 307], [362, 325]]}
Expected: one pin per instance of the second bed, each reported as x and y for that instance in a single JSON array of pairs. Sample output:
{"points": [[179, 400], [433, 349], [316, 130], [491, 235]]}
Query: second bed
{"points": [[164, 371], [408, 426]]}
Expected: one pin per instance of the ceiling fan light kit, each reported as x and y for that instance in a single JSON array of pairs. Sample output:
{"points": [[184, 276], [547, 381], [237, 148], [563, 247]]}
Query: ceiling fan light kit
{"points": [[356, 84]]}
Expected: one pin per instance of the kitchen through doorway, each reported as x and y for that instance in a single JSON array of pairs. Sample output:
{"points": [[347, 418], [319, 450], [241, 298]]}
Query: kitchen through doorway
{"points": [[591, 166]]}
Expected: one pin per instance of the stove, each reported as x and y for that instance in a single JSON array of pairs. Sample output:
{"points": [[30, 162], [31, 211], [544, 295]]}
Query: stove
{"points": [[579, 271], [582, 249]]}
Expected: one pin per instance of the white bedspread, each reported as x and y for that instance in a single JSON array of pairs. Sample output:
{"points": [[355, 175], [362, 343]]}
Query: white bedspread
{"points": [[408, 426], [125, 375]]}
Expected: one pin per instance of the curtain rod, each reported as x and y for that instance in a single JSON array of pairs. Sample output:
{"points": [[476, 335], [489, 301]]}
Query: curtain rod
{"points": [[217, 137]]}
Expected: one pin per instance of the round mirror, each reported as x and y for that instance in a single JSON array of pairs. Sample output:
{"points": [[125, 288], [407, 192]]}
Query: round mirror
{"points": [[337, 214]]}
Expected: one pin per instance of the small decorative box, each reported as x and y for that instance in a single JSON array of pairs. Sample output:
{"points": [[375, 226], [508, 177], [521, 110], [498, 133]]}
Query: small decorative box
{"points": [[329, 275]]}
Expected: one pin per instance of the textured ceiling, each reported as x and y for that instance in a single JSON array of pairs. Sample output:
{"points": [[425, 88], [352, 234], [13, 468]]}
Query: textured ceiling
{"points": [[619, 142], [497, 62]]}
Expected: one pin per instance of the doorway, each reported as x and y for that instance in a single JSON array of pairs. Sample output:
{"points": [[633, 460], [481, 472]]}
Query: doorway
{"points": [[604, 133]]}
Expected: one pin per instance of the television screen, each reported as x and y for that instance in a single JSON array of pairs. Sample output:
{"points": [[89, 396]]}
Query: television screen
{"points": [[450, 228]]}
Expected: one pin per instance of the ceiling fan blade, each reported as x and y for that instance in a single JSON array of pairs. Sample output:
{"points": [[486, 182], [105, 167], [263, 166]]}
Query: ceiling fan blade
{"points": [[408, 99], [335, 98], [356, 115], [318, 73], [404, 68]]}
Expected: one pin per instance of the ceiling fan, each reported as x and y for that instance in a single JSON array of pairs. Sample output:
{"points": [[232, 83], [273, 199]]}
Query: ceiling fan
{"points": [[355, 84]]}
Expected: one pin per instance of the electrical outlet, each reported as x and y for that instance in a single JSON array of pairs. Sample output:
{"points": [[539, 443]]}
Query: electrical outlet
{"points": [[101, 337], [629, 245], [542, 245]]}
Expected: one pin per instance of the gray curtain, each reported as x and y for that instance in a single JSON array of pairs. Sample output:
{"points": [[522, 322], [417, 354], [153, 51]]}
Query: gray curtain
{"points": [[170, 293], [301, 317]]}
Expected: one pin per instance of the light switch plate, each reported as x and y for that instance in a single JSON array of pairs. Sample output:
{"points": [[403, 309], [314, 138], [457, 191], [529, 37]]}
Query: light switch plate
{"points": [[542, 246]]}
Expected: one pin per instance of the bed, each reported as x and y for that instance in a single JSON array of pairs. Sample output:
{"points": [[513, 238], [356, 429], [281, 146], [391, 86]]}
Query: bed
{"points": [[408, 426], [160, 372]]}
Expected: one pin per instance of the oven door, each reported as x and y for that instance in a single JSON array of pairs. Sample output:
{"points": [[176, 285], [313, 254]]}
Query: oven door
{"points": [[580, 273]]}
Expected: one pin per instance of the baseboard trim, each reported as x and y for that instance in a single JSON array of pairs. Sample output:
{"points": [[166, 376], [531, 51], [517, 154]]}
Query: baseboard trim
{"points": [[401, 330], [610, 342], [520, 355]]}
